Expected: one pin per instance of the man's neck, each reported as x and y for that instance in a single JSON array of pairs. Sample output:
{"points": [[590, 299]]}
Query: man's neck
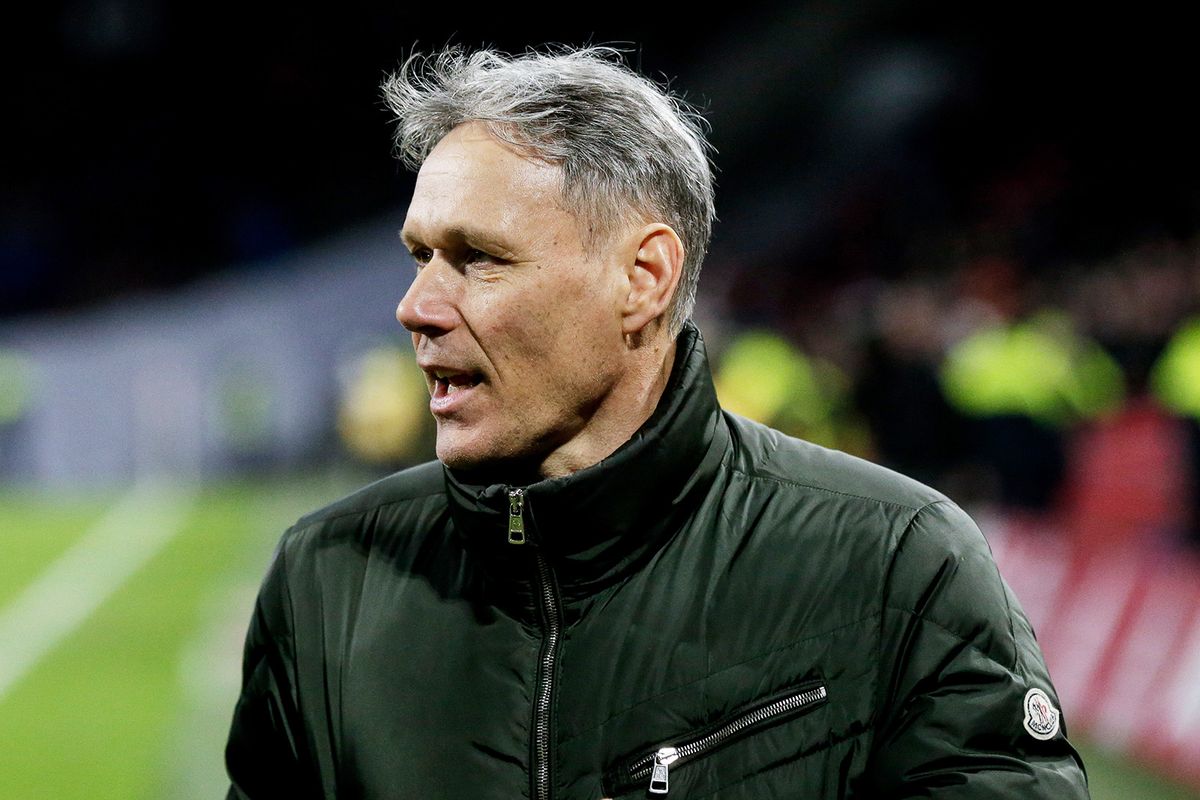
{"points": [[625, 409]]}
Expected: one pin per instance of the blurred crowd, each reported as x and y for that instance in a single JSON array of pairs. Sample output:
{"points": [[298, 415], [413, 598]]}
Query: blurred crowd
{"points": [[1071, 396]]}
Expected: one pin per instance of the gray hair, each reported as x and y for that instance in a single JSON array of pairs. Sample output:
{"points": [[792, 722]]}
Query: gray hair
{"points": [[627, 147]]}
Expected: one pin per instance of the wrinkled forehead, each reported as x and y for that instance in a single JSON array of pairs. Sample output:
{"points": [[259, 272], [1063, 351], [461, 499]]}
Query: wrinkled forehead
{"points": [[471, 174], [472, 180], [471, 155]]}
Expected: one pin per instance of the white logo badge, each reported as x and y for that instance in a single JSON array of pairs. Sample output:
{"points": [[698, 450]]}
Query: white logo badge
{"points": [[1041, 717]]}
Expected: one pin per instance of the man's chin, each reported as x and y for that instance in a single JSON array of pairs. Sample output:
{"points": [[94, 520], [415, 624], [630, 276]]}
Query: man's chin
{"points": [[487, 464], [456, 459], [466, 454]]}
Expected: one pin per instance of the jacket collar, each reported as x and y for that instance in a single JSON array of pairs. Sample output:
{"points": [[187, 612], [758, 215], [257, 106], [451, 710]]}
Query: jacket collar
{"points": [[600, 523]]}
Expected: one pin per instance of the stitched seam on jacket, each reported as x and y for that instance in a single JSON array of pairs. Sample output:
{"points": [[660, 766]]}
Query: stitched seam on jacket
{"points": [[799, 485], [290, 611], [958, 636], [885, 681], [832, 743], [1012, 627], [299, 529], [708, 675], [1012, 633], [298, 737], [905, 532]]}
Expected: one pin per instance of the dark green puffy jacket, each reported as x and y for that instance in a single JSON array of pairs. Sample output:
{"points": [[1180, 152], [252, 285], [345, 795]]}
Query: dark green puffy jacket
{"points": [[715, 610]]}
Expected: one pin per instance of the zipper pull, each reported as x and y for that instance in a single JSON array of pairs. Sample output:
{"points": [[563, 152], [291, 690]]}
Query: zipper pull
{"points": [[516, 516], [663, 759]]}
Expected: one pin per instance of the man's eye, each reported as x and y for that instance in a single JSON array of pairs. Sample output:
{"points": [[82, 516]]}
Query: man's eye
{"points": [[474, 256], [422, 255]]}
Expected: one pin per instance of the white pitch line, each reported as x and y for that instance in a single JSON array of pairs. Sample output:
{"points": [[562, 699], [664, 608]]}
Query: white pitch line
{"points": [[74, 586]]}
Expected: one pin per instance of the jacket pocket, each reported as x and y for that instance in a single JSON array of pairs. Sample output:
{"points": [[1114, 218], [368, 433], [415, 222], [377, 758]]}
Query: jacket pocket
{"points": [[652, 768]]}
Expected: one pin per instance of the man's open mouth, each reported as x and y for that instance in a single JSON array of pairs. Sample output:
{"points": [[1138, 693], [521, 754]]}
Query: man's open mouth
{"points": [[446, 384]]}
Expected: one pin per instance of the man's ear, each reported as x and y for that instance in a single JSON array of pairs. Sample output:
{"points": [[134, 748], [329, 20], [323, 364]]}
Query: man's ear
{"points": [[653, 272]]}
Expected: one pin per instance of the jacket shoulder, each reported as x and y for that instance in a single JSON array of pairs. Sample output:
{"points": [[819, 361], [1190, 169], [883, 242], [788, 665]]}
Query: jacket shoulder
{"points": [[763, 452], [410, 485], [925, 555], [394, 508], [875, 528]]}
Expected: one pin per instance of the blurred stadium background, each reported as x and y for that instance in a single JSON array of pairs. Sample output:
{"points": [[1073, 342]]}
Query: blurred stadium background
{"points": [[964, 242]]}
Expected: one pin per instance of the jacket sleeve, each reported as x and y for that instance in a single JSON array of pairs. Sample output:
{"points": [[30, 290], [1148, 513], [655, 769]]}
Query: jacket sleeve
{"points": [[966, 708], [265, 752]]}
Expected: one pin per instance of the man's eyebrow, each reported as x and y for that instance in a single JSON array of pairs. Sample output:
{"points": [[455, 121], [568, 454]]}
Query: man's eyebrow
{"points": [[458, 234]]}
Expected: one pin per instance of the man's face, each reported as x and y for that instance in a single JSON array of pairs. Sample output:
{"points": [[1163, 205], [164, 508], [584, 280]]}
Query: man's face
{"points": [[517, 328]]}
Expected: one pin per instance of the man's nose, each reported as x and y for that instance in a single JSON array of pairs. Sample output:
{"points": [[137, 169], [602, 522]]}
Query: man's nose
{"points": [[428, 306]]}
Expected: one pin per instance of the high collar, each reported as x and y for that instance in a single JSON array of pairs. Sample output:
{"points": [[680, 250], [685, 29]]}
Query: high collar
{"points": [[598, 524]]}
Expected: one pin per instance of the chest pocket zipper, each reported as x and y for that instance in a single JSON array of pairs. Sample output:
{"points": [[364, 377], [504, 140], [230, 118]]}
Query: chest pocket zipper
{"points": [[655, 767]]}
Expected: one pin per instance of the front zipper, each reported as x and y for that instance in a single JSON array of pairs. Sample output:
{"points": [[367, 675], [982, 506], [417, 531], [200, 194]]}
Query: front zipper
{"points": [[655, 767], [516, 516], [541, 708], [545, 673]]}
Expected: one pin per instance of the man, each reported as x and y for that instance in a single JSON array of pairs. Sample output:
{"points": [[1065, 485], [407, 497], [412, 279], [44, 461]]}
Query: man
{"points": [[606, 587]]}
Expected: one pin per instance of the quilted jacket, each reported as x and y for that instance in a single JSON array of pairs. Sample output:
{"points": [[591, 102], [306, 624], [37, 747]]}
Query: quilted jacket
{"points": [[714, 611]]}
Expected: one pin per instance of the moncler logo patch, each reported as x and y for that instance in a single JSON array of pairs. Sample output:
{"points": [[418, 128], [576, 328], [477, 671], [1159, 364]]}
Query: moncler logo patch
{"points": [[1041, 717]]}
